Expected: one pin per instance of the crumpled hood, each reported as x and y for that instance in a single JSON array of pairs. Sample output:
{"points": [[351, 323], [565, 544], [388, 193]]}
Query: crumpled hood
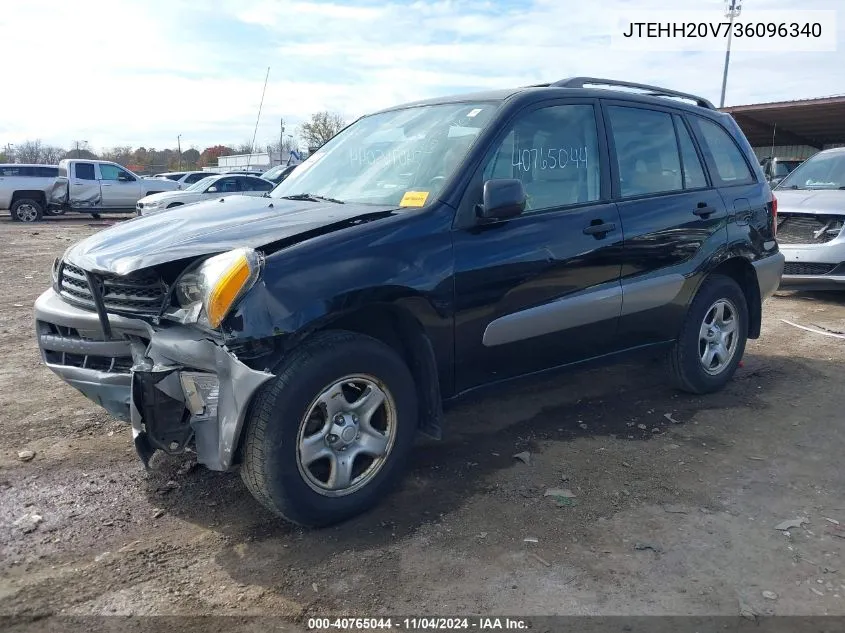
{"points": [[203, 228], [820, 201]]}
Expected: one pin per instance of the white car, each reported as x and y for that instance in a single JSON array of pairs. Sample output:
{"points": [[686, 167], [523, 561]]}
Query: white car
{"points": [[184, 178], [208, 187]]}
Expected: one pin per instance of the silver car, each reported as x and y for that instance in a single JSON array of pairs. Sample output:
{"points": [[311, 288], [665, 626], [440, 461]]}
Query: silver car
{"points": [[209, 187], [811, 212]]}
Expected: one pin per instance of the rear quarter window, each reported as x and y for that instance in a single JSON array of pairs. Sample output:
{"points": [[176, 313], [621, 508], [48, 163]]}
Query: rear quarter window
{"points": [[725, 155]]}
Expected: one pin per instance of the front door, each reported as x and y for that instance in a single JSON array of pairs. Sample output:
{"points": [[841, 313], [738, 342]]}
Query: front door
{"points": [[121, 190], [672, 214], [542, 289]]}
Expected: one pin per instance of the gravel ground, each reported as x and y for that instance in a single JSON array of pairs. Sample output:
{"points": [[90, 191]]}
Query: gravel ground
{"points": [[673, 510]]}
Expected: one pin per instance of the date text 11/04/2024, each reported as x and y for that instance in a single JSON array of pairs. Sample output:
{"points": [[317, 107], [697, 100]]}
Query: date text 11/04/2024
{"points": [[417, 624]]}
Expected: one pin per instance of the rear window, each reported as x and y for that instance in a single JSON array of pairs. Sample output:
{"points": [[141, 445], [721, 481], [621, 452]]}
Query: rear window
{"points": [[174, 176], [49, 172], [195, 178]]}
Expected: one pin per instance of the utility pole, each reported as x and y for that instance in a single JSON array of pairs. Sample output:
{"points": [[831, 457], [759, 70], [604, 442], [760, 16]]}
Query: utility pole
{"points": [[179, 145], [78, 155], [281, 140], [732, 10]]}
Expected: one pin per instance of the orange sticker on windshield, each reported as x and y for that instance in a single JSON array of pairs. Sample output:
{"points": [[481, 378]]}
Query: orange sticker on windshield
{"points": [[414, 199]]}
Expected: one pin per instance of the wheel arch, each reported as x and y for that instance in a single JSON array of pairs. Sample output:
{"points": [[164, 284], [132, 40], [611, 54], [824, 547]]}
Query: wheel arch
{"points": [[35, 194], [397, 327], [741, 270]]}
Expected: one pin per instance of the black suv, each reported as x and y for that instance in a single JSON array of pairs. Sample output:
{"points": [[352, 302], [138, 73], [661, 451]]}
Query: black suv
{"points": [[426, 251]]}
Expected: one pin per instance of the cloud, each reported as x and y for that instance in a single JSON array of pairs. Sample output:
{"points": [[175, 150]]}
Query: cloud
{"points": [[140, 72]]}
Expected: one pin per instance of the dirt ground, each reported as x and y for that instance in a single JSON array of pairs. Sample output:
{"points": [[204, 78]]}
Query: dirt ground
{"points": [[675, 504]]}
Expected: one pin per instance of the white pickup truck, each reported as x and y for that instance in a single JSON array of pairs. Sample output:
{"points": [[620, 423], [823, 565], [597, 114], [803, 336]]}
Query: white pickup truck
{"points": [[94, 186]]}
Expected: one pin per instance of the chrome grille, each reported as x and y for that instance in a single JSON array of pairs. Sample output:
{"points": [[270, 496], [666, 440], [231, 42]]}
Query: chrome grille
{"points": [[796, 228], [804, 268], [139, 294]]}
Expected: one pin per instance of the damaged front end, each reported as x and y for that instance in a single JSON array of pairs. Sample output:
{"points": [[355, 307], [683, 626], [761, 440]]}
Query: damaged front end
{"points": [[157, 362], [173, 404]]}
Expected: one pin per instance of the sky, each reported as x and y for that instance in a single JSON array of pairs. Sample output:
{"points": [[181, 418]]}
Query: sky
{"points": [[141, 72]]}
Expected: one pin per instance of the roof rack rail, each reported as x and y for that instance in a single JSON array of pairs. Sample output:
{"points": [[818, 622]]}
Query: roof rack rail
{"points": [[580, 82]]}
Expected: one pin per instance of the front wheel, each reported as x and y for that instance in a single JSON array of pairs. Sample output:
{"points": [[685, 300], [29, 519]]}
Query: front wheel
{"points": [[712, 339], [330, 434]]}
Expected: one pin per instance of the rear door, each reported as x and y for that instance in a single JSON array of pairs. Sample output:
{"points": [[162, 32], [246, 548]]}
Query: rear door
{"points": [[84, 185], [541, 289], [746, 196], [672, 216], [121, 190]]}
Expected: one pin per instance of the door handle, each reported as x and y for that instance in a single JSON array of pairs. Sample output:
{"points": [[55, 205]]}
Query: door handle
{"points": [[703, 210], [599, 229], [106, 184]]}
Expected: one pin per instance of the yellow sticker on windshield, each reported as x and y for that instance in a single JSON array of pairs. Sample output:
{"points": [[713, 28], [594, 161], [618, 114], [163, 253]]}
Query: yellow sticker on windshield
{"points": [[414, 199]]}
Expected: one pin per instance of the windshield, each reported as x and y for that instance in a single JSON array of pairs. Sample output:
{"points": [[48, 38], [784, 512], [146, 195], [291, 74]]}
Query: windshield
{"points": [[397, 158], [200, 185], [822, 171]]}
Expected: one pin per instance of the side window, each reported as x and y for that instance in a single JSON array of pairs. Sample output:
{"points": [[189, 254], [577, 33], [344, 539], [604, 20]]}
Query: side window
{"points": [[108, 172], [85, 171], [113, 172], [694, 177], [646, 151], [730, 164], [194, 178], [227, 185], [10, 171], [48, 171], [554, 152], [256, 184], [27, 171]]}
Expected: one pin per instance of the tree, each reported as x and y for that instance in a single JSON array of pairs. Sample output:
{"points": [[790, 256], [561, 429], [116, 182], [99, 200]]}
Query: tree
{"points": [[210, 155], [190, 158], [36, 152], [81, 153], [322, 127], [243, 148], [123, 155]]}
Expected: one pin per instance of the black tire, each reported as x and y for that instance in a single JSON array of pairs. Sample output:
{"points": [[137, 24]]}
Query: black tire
{"points": [[27, 210], [271, 468], [55, 211], [685, 358]]}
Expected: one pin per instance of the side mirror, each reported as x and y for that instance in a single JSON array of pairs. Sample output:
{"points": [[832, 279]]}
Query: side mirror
{"points": [[502, 199], [211, 189]]}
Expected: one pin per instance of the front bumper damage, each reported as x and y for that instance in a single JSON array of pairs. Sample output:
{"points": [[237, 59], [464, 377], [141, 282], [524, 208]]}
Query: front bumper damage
{"points": [[176, 385]]}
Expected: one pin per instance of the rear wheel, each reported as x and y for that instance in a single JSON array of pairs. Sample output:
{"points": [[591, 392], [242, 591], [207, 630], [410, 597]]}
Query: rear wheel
{"points": [[713, 337], [27, 210], [329, 436]]}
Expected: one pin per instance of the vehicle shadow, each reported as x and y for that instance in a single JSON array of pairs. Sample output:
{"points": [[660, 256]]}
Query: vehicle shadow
{"points": [[482, 435]]}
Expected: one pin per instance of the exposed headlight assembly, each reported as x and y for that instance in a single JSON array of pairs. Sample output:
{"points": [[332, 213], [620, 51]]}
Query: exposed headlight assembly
{"points": [[207, 292]]}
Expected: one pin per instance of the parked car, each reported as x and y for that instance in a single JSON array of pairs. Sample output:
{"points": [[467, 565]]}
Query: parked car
{"points": [[92, 186], [183, 178], [777, 168], [425, 252], [811, 213], [208, 187], [278, 173], [23, 189]]}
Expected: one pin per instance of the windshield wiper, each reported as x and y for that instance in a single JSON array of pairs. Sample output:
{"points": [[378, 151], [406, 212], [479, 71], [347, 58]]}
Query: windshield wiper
{"points": [[312, 197]]}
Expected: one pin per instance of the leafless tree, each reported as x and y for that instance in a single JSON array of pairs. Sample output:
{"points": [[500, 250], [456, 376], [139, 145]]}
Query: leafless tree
{"points": [[322, 127], [121, 154], [51, 155]]}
